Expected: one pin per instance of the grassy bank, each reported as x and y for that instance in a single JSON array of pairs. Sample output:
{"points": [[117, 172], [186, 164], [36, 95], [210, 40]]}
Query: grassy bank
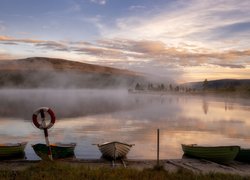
{"points": [[60, 170]]}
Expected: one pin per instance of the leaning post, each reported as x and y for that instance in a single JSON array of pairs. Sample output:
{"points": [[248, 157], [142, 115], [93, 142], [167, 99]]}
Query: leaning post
{"points": [[43, 126], [46, 135], [158, 146]]}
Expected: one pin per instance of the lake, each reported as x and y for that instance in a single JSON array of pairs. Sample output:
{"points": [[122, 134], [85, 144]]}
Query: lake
{"points": [[95, 116]]}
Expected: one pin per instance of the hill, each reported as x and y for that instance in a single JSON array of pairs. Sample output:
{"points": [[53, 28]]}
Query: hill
{"points": [[59, 73], [222, 84]]}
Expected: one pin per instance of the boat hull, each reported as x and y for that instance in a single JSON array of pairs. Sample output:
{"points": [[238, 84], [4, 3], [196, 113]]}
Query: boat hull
{"points": [[59, 151], [12, 151], [219, 154], [243, 155], [114, 150]]}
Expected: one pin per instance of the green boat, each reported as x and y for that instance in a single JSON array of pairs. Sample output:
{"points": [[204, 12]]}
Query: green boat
{"points": [[243, 155], [219, 154], [59, 150], [12, 151]]}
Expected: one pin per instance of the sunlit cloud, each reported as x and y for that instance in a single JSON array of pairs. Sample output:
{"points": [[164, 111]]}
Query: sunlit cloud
{"points": [[11, 39], [197, 22], [212, 72], [158, 51], [141, 51], [97, 51], [7, 56]]}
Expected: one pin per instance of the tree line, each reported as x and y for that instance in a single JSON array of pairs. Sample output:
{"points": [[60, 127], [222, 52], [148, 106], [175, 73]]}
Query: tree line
{"points": [[163, 87]]}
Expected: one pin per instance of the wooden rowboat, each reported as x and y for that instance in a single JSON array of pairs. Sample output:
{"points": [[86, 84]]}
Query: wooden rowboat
{"points": [[243, 155], [12, 150], [59, 150], [219, 154], [114, 150]]}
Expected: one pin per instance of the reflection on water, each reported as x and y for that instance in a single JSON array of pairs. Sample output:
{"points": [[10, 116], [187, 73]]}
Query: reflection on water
{"points": [[95, 116], [205, 106]]}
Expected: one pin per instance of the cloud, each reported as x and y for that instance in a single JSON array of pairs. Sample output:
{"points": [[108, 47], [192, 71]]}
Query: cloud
{"points": [[142, 52], [141, 46], [195, 22], [9, 43], [53, 45], [10, 39], [7, 56], [96, 21], [229, 65], [101, 2], [80, 43], [235, 31], [136, 7], [97, 51], [160, 52], [236, 27], [74, 7]]}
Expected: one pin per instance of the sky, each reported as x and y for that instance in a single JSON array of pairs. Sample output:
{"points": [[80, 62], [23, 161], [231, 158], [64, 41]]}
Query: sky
{"points": [[181, 40]]}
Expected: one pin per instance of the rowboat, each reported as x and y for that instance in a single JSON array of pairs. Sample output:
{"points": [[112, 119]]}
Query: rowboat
{"points": [[114, 150], [243, 155], [219, 154], [12, 150], [59, 150]]}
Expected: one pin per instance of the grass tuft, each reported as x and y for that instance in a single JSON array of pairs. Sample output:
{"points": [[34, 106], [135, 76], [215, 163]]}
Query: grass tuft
{"points": [[61, 170]]}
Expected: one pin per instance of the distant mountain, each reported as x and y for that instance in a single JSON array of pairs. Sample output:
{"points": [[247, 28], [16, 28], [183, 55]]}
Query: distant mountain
{"points": [[59, 73], [222, 84]]}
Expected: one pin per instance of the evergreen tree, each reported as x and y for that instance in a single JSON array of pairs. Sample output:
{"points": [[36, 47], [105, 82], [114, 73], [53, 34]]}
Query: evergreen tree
{"points": [[205, 84], [170, 87], [137, 87]]}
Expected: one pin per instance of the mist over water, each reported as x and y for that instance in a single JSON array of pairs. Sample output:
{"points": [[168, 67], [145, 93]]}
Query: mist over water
{"points": [[88, 116], [66, 103]]}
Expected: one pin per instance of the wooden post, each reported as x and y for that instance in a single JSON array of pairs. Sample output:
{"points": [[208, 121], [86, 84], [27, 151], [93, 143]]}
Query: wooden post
{"points": [[46, 135], [158, 146]]}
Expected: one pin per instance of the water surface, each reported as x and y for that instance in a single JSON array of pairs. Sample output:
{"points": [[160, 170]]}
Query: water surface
{"points": [[95, 116]]}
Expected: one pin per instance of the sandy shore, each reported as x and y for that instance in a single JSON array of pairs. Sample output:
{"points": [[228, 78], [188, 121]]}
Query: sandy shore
{"points": [[195, 165]]}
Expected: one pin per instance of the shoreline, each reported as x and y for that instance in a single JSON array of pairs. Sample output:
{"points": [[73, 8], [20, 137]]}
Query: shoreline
{"points": [[238, 94], [198, 166]]}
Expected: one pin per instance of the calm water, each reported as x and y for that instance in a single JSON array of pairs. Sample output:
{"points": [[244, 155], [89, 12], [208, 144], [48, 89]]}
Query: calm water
{"points": [[96, 116]]}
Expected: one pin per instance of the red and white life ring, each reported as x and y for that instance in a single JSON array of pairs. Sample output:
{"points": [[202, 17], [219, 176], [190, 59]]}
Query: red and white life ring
{"points": [[39, 111]]}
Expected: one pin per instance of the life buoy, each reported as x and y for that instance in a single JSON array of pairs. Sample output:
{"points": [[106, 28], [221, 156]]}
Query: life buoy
{"points": [[40, 111]]}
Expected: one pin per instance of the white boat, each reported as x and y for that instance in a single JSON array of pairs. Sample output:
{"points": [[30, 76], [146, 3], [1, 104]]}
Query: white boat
{"points": [[114, 150]]}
